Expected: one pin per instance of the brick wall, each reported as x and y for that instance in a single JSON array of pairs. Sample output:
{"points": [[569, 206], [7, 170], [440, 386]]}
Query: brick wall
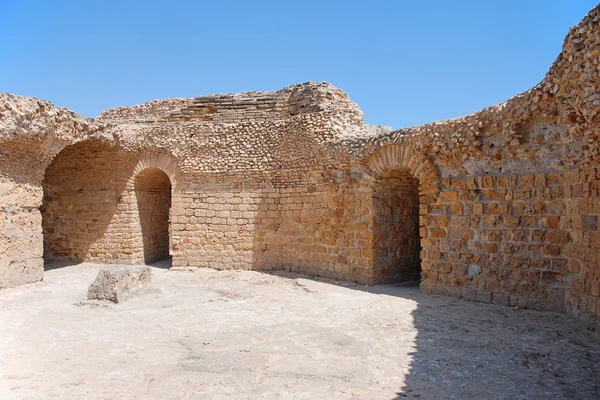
{"points": [[320, 229], [214, 227], [86, 215]]}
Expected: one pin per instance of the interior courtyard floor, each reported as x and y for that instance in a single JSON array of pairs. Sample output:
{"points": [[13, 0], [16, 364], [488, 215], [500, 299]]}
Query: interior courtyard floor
{"points": [[251, 335]]}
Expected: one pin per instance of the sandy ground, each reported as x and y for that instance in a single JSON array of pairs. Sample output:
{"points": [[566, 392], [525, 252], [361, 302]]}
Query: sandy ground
{"points": [[249, 335]]}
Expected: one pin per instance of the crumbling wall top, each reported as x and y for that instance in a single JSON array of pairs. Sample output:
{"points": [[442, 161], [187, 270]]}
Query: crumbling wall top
{"points": [[29, 117], [303, 98], [147, 112], [553, 126]]}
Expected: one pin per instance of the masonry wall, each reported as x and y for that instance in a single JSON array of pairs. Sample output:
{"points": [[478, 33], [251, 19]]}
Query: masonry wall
{"points": [[299, 99], [77, 224], [322, 229], [578, 230], [20, 221], [20, 236], [214, 227], [86, 215], [529, 240]]}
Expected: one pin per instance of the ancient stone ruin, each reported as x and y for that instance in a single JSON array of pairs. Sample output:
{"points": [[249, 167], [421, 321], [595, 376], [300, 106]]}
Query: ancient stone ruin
{"points": [[119, 284], [499, 206]]}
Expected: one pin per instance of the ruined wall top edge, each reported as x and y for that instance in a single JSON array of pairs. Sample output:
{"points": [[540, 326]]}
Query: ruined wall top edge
{"points": [[555, 125], [302, 98], [26, 117]]}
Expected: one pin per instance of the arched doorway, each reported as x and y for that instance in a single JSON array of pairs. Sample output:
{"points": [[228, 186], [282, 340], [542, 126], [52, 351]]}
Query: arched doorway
{"points": [[404, 183], [153, 196], [396, 226]]}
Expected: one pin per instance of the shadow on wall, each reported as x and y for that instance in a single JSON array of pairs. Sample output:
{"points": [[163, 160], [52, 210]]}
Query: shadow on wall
{"points": [[81, 196], [321, 230], [361, 225], [90, 213]]}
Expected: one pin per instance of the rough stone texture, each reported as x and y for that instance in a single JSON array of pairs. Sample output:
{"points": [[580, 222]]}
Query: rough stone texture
{"points": [[117, 285], [508, 197]]}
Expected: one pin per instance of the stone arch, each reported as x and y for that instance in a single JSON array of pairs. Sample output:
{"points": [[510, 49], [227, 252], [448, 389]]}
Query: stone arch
{"points": [[402, 155], [161, 161], [150, 225], [401, 180]]}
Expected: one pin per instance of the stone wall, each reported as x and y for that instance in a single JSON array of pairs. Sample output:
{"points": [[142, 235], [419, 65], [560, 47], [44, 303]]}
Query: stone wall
{"points": [[513, 220], [497, 206], [31, 133], [527, 240], [306, 98], [321, 229], [214, 228], [81, 210], [103, 204]]}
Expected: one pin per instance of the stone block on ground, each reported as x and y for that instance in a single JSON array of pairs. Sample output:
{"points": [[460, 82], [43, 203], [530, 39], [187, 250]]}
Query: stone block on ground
{"points": [[117, 285]]}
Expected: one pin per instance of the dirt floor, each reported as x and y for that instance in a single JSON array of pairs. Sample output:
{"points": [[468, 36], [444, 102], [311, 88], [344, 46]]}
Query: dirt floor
{"points": [[250, 335]]}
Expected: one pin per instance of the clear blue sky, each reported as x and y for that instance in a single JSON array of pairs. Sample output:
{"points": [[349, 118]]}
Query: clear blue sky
{"points": [[404, 62]]}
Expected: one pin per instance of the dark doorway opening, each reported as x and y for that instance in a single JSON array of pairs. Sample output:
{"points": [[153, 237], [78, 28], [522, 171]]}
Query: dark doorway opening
{"points": [[396, 227], [153, 195]]}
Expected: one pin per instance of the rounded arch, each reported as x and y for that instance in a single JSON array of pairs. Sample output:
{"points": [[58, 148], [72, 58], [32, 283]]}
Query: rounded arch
{"points": [[401, 181], [161, 161], [402, 155]]}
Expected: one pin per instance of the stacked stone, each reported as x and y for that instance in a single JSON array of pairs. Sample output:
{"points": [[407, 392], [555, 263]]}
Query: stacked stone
{"points": [[298, 99], [32, 131], [149, 112]]}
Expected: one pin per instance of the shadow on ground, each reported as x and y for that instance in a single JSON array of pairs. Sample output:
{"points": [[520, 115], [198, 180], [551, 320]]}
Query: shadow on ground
{"points": [[466, 350], [50, 265], [162, 264]]}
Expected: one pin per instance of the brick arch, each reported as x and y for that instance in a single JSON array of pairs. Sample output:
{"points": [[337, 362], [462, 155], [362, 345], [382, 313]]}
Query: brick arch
{"points": [[162, 161], [402, 155]]}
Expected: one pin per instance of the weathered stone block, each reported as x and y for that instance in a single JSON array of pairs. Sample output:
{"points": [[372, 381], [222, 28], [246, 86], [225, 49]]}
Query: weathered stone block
{"points": [[19, 272], [119, 284]]}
